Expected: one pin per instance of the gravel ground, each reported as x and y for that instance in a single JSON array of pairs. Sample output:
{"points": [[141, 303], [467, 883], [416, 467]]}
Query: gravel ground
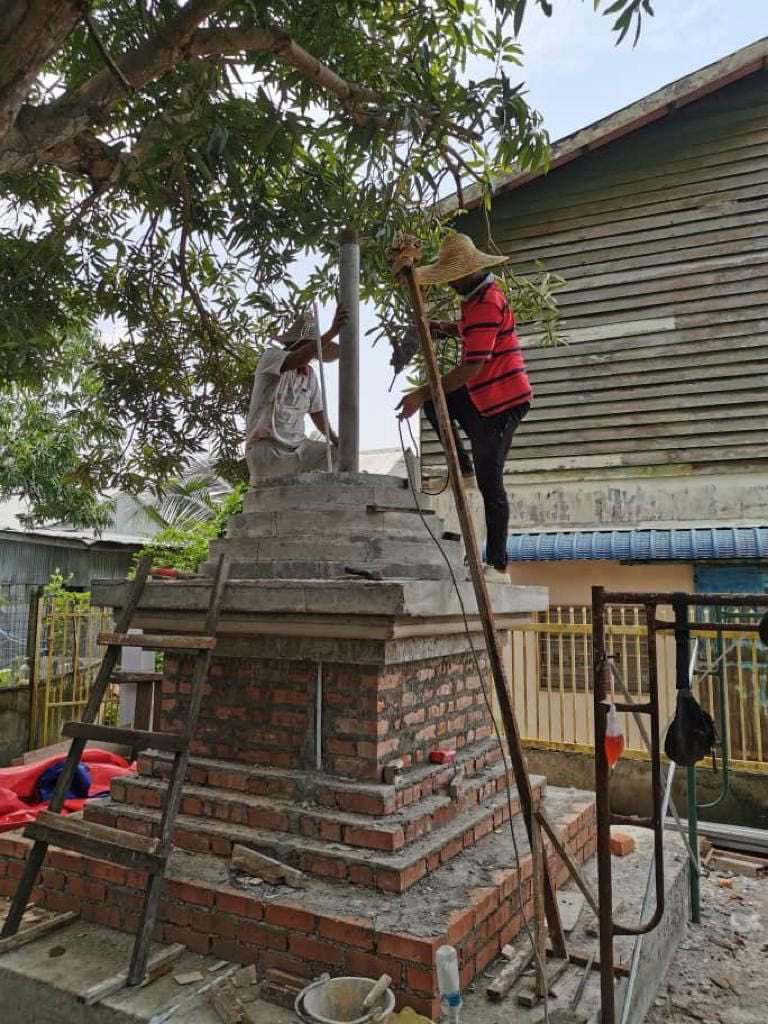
{"points": [[719, 975]]}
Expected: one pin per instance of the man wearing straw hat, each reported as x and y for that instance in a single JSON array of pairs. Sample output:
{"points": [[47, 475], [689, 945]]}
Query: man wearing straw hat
{"points": [[285, 390], [488, 394]]}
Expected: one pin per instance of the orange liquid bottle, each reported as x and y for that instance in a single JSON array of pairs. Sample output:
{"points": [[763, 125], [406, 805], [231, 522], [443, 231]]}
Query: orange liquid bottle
{"points": [[614, 738]]}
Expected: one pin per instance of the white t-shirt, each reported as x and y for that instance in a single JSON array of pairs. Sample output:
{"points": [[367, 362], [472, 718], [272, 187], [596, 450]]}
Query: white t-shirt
{"points": [[280, 401]]}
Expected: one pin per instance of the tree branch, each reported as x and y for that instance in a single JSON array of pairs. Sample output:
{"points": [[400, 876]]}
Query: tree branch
{"points": [[106, 54], [31, 31], [51, 133]]}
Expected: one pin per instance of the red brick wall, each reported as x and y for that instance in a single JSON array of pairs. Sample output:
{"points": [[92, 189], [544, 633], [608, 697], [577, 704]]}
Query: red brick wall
{"points": [[236, 926], [262, 712]]}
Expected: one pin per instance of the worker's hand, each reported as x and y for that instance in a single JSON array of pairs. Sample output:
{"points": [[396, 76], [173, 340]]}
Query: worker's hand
{"points": [[334, 438], [441, 328], [411, 403], [340, 317]]}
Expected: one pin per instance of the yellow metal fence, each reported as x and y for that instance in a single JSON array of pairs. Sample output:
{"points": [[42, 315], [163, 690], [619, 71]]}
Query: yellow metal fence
{"points": [[550, 667], [66, 659]]}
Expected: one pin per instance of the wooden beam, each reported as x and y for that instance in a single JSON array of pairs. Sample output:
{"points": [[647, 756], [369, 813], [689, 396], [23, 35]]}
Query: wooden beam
{"points": [[37, 931]]}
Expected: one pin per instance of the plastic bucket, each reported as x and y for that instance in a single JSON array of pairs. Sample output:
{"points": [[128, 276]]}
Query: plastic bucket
{"points": [[340, 1001]]}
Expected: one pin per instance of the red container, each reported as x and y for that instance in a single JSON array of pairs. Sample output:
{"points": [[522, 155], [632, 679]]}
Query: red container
{"points": [[442, 756]]}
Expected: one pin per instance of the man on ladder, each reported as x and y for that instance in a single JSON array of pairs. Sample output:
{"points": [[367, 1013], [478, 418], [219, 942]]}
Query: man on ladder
{"points": [[488, 394], [285, 389]]}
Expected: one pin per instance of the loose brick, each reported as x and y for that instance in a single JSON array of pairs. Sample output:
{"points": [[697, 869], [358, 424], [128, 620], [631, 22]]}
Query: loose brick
{"points": [[622, 844]]}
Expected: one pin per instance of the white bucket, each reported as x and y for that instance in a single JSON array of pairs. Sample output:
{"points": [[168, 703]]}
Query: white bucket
{"points": [[340, 1001]]}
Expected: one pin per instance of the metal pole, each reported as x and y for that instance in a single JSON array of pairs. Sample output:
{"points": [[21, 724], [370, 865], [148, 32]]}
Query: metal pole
{"points": [[682, 645], [349, 358], [603, 808], [323, 396]]}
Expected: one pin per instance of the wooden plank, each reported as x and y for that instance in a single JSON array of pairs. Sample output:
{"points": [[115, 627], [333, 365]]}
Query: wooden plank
{"points": [[158, 642], [99, 841], [510, 219], [508, 975], [695, 421], [138, 739], [579, 959], [573, 869], [695, 218], [737, 241], [589, 403], [251, 862], [548, 250], [158, 965], [138, 678], [653, 292], [727, 295], [37, 931], [542, 983], [528, 994], [560, 214]]}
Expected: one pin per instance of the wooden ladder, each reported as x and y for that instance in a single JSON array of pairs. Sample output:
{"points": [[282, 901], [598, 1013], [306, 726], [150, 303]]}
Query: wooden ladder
{"points": [[112, 844]]}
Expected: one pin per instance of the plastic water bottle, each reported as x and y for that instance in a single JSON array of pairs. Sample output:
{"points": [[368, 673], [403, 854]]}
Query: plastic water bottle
{"points": [[447, 964]]}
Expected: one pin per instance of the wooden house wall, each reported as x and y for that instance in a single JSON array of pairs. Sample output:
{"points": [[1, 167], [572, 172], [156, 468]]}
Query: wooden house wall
{"points": [[663, 240]]}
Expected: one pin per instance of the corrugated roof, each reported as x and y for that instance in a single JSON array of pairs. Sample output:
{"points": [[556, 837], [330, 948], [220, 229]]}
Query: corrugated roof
{"points": [[687, 544]]}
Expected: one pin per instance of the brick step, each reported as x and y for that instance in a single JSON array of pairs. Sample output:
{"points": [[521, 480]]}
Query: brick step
{"points": [[392, 872], [308, 490], [368, 798], [314, 570], [345, 521], [392, 832], [318, 787], [324, 927], [362, 547]]}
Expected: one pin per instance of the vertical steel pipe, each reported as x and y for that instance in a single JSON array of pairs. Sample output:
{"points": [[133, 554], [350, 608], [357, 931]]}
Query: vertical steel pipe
{"points": [[349, 357]]}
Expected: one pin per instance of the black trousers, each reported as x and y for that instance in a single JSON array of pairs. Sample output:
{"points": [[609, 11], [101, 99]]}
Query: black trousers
{"points": [[490, 438]]}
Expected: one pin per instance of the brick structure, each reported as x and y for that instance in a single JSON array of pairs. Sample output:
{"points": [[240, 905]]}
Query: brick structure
{"points": [[316, 683], [261, 711]]}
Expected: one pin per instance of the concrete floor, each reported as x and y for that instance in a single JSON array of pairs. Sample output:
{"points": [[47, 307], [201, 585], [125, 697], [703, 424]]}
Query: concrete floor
{"points": [[40, 983]]}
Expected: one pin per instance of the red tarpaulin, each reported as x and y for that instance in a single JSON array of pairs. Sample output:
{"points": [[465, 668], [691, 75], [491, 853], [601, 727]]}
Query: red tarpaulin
{"points": [[18, 786]]}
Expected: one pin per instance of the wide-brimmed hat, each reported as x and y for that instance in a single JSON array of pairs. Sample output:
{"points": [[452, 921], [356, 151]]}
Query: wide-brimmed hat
{"points": [[458, 257], [304, 328]]}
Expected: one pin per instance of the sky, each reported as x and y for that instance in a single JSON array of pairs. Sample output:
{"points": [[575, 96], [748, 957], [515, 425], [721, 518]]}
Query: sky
{"points": [[575, 74]]}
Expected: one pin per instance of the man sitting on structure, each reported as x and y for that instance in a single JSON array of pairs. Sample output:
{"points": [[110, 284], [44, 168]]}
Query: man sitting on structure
{"points": [[285, 389], [488, 394]]}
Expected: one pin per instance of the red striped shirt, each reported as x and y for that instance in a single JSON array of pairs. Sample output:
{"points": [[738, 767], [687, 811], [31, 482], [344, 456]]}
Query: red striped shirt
{"points": [[487, 329]]}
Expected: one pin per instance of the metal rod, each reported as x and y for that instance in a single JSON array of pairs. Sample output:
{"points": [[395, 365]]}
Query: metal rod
{"points": [[485, 611], [725, 755], [349, 359], [323, 395], [603, 808], [319, 717], [711, 627]]}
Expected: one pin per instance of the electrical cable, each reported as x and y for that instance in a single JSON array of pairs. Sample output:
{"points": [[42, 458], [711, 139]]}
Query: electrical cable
{"points": [[489, 706]]}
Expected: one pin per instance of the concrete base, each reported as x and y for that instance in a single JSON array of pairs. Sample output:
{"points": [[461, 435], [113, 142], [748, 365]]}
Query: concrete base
{"points": [[36, 988]]}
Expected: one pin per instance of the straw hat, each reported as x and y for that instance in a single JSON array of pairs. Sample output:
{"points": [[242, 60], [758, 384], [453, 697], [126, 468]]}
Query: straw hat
{"points": [[457, 258], [304, 328]]}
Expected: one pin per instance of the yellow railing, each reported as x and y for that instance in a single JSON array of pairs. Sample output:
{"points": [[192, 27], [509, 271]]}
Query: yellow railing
{"points": [[550, 668], [66, 659]]}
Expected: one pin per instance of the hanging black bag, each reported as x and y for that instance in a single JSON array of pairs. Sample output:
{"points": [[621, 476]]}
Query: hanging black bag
{"points": [[691, 737]]}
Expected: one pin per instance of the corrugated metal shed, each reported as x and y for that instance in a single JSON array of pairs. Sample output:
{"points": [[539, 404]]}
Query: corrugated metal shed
{"points": [[641, 545]]}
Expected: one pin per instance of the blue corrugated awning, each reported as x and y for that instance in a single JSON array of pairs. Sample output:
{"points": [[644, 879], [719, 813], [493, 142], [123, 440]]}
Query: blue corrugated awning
{"points": [[687, 544]]}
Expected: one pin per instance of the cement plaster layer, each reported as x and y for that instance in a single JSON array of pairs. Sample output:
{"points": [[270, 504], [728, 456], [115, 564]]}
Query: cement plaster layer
{"points": [[352, 597]]}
